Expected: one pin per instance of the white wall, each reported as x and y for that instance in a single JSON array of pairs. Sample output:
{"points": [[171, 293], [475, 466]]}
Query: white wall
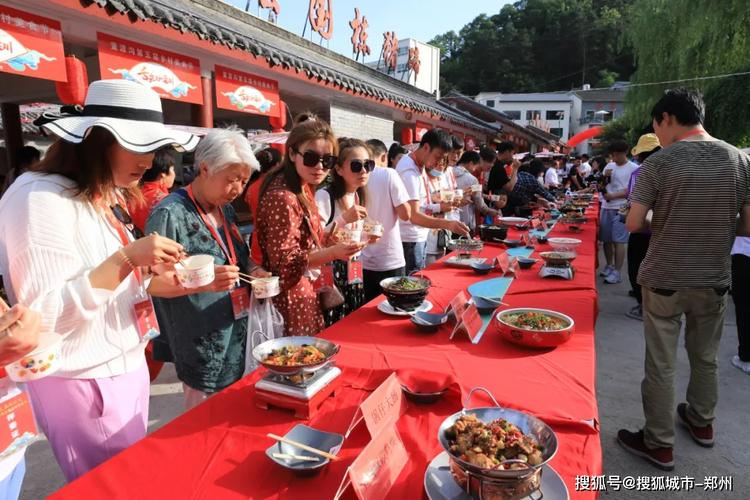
{"points": [[542, 107], [350, 122]]}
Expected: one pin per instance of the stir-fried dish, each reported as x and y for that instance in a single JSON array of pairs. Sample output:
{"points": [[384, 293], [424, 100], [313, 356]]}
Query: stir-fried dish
{"points": [[295, 355], [406, 285], [489, 446], [535, 321]]}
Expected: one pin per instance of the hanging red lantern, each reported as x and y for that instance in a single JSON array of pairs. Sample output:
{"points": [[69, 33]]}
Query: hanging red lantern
{"points": [[74, 90], [278, 124], [407, 136]]}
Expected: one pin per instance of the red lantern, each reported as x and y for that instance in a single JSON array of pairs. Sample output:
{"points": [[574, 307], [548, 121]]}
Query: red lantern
{"points": [[407, 136], [74, 90], [278, 124]]}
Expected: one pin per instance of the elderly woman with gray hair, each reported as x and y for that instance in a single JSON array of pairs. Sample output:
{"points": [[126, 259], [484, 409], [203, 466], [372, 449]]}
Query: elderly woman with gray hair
{"points": [[206, 333]]}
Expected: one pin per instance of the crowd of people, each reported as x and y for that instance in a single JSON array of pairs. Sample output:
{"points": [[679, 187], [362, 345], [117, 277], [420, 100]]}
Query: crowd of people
{"points": [[109, 181]]}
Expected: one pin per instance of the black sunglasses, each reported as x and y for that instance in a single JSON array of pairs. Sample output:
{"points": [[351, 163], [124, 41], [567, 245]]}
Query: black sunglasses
{"points": [[123, 216], [312, 159], [357, 165]]}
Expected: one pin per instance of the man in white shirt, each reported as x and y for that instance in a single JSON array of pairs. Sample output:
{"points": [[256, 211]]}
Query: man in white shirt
{"points": [[378, 152], [435, 144], [612, 230], [551, 180], [584, 170], [387, 201]]}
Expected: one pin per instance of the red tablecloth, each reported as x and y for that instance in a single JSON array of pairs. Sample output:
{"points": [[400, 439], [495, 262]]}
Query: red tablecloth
{"points": [[217, 449]]}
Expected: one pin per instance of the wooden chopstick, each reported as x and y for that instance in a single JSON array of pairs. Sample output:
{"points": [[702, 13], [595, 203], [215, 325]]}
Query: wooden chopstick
{"points": [[247, 276], [290, 456], [303, 447], [245, 280]]}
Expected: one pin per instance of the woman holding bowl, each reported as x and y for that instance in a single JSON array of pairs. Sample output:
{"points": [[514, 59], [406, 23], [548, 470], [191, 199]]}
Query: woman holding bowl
{"points": [[341, 206], [290, 231], [68, 251], [207, 331]]}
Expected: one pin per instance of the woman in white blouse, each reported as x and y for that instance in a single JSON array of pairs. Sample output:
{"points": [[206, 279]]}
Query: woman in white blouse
{"points": [[68, 251], [342, 203]]}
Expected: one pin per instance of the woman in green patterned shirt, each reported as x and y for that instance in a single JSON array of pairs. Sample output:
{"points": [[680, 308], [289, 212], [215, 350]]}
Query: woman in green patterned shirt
{"points": [[206, 337]]}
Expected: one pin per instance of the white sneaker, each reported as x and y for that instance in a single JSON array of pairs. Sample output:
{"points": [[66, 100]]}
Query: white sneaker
{"points": [[606, 271], [742, 365], [613, 277]]}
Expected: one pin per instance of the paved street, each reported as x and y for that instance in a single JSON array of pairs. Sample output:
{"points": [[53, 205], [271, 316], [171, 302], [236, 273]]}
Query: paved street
{"points": [[620, 350]]}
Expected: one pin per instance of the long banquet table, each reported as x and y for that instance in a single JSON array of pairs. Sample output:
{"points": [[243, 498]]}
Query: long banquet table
{"points": [[217, 449]]}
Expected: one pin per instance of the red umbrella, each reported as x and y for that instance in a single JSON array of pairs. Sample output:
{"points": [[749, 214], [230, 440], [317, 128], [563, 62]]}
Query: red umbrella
{"points": [[585, 135]]}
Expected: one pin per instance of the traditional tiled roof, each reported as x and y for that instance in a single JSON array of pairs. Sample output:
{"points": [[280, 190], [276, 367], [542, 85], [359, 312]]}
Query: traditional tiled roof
{"points": [[225, 25]]}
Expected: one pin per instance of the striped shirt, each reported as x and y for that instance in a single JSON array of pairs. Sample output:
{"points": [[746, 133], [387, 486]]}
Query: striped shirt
{"points": [[695, 189]]}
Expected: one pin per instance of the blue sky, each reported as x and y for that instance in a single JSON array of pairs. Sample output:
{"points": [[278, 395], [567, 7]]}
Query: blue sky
{"points": [[420, 19]]}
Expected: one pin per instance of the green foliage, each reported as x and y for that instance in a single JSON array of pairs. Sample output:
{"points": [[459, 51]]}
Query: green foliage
{"points": [[678, 39], [538, 45]]}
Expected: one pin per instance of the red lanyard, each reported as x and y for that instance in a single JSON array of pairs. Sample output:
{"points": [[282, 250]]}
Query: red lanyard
{"points": [[452, 178], [426, 187], [231, 256], [689, 133]]}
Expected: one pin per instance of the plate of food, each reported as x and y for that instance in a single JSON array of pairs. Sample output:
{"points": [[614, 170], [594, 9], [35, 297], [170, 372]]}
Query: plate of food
{"points": [[387, 308], [439, 484], [293, 355], [564, 244], [496, 444], [513, 221], [557, 259], [406, 292], [539, 328]]}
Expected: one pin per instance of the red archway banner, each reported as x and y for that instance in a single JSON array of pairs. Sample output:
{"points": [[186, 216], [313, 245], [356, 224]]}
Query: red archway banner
{"points": [[585, 135], [31, 45], [240, 91], [172, 76]]}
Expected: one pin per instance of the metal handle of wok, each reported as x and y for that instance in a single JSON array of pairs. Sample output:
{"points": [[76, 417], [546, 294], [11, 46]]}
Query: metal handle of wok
{"points": [[467, 401]]}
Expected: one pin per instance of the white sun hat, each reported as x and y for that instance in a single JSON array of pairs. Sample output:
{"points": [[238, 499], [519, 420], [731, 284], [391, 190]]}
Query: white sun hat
{"points": [[130, 111]]}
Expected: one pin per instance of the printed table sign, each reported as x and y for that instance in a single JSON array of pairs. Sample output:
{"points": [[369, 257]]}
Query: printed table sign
{"points": [[377, 467], [381, 408], [459, 304], [471, 324]]}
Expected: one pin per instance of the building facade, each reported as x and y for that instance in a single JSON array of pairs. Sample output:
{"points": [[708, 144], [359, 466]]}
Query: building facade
{"points": [[550, 111]]}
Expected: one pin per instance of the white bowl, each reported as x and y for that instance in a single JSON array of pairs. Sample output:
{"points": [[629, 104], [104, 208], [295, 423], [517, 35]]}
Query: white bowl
{"points": [[564, 244], [265, 288], [373, 228], [42, 361], [447, 196], [196, 271], [350, 235]]}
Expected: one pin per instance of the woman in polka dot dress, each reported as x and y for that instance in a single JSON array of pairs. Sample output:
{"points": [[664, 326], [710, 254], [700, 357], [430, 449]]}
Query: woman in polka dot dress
{"points": [[289, 228]]}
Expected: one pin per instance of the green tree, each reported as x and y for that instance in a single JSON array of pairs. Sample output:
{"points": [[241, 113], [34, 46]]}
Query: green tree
{"points": [[537, 45], [682, 39]]}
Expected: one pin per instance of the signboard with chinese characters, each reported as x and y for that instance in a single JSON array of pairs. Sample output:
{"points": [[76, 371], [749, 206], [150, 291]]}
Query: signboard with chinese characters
{"points": [[375, 470], [31, 45], [172, 76], [359, 37], [320, 17], [239, 91]]}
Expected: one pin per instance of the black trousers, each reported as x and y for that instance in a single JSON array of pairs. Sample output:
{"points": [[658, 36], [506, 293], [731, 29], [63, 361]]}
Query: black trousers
{"points": [[372, 281], [741, 297], [637, 248]]}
